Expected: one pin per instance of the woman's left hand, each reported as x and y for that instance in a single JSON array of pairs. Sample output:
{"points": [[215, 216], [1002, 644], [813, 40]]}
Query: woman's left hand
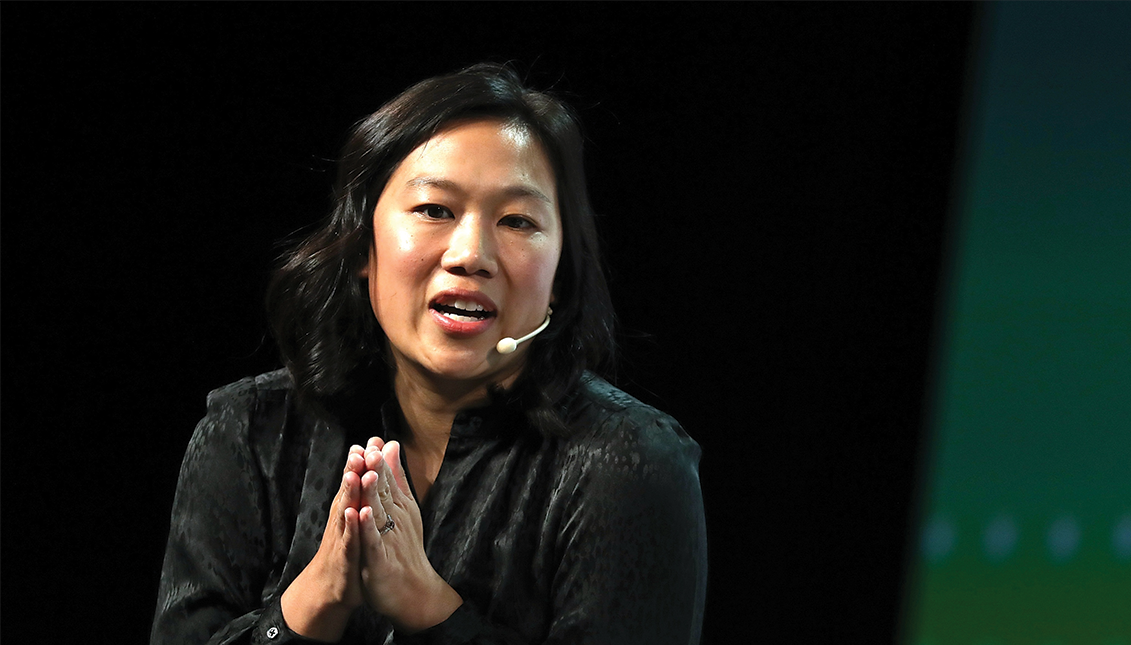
{"points": [[397, 578]]}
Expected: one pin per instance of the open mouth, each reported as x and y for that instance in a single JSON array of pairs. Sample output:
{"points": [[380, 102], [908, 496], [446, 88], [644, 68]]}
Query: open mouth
{"points": [[462, 310]]}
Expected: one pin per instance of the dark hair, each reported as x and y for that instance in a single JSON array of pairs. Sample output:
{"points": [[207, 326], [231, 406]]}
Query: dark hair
{"points": [[319, 307]]}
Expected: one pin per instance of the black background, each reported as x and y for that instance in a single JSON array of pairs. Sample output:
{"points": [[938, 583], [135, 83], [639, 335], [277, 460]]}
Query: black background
{"points": [[773, 184]]}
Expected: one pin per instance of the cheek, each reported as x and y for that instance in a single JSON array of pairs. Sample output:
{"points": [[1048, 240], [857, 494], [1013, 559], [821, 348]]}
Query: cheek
{"points": [[542, 266], [399, 258], [404, 242], [393, 264]]}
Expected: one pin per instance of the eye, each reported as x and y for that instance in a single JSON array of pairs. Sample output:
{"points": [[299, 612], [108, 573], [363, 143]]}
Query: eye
{"points": [[434, 211], [517, 222]]}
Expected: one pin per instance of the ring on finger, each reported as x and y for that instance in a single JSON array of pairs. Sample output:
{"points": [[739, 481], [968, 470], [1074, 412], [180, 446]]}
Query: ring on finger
{"points": [[389, 524]]}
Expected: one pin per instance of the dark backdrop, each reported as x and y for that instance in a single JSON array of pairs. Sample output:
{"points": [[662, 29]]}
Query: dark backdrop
{"points": [[773, 184]]}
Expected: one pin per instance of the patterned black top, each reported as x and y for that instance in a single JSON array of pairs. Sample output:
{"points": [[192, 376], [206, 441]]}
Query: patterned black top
{"points": [[595, 538]]}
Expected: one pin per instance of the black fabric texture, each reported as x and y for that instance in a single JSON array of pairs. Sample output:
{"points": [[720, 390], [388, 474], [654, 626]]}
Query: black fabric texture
{"points": [[594, 538]]}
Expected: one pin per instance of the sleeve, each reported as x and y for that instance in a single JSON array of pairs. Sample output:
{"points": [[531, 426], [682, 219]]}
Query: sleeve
{"points": [[633, 569], [217, 561]]}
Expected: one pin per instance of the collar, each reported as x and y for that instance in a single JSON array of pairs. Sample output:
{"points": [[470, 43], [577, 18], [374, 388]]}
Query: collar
{"points": [[495, 418]]}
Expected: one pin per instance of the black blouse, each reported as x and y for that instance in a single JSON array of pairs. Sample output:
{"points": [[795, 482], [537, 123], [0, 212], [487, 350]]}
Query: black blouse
{"points": [[594, 538]]}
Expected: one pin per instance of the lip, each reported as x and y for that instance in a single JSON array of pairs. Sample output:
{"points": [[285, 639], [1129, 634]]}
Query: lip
{"points": [[460, 328]]}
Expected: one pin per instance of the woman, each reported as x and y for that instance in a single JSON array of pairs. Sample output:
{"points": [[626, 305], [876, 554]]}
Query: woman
{"points": [[504, 493]]}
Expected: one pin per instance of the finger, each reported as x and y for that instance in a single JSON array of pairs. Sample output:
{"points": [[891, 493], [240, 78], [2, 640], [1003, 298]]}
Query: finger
{"points": [[355, 463], [385, 484], [373, 458], [371, 495], [391, 455], [371, 536], [356, 450], [350, 484], [352, 497], [375, 442], [355, 460]]}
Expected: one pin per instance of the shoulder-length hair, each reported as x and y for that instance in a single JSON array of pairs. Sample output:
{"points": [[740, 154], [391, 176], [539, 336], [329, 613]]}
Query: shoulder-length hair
{"points": [[319, 307]]}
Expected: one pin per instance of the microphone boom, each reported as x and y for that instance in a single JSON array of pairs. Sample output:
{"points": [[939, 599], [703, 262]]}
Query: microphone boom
{"points": [[508, 344]]}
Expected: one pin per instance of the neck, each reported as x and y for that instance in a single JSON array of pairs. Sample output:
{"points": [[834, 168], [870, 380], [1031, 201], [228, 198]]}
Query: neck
{"points": [[430, 405], [430, 402]]}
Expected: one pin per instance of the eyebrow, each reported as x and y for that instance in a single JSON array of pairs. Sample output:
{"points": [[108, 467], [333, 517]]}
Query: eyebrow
{"points": [[516, 190]]}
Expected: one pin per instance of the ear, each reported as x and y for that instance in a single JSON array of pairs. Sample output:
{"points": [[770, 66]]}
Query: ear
{"points": [[363, 272]]}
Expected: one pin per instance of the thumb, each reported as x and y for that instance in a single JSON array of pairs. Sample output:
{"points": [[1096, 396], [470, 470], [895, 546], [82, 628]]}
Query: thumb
{"points": [[352, 537], [391, 453]]}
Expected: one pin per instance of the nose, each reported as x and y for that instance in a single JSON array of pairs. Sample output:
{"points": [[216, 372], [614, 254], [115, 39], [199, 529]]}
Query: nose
{"points": [[471, 248]]}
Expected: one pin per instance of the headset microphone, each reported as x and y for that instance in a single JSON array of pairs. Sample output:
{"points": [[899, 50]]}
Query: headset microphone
{"points": [[508, 345]]}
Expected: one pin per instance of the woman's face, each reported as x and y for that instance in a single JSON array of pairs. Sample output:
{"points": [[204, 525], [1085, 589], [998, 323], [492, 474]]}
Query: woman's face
{"points": [[467, 237]]}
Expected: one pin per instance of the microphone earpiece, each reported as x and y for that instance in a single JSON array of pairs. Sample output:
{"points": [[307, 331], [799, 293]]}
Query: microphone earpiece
{"points": [[508, 345]]}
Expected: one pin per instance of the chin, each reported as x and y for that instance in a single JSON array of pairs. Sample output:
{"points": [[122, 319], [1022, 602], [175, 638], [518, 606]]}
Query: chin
{"points": [[470, 366], [489, 369]]}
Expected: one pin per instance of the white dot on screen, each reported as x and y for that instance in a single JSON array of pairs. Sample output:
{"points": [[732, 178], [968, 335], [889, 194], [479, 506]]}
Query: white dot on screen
{"points": [[938, 539], [1063, 538], [1121, 538], [1000, 537]]}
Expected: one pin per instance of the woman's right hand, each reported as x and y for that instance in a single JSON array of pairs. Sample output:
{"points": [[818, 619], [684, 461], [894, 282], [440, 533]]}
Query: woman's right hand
{"points": [[319, 602]]}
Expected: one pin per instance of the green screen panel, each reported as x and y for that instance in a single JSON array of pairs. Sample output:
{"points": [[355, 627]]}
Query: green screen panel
{"points": [[1026, 520]]}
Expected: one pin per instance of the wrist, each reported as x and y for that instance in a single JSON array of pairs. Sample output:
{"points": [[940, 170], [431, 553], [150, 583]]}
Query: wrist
{"points": [[437, 605], [311, 615]]}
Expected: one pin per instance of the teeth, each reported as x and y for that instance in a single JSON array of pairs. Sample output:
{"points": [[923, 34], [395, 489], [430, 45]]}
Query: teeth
{"points": [[467, 305], [464, 311]]}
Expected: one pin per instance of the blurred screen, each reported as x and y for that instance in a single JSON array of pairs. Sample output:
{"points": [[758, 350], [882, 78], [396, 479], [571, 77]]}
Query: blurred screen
{"points": [[1024, 529]]}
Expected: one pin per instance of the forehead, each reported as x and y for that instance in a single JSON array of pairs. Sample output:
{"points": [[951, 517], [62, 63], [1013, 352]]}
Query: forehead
{"points": [[480, 152]]}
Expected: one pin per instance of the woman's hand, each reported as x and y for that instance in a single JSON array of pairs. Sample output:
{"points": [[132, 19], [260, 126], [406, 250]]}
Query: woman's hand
{"points": [[397, 578], [319, 601]]}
